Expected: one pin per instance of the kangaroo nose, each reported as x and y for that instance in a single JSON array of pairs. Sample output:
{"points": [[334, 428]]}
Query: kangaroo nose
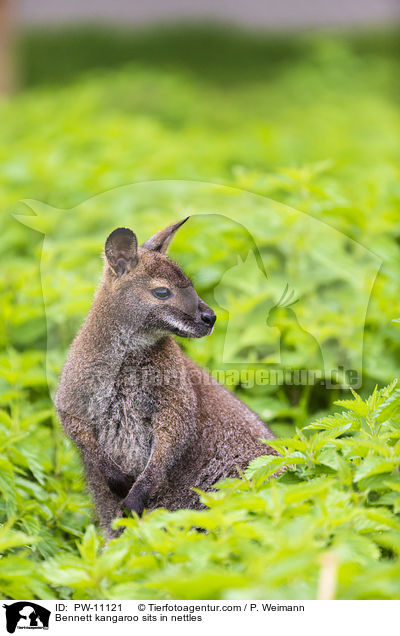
{"points": [[208, 318]]}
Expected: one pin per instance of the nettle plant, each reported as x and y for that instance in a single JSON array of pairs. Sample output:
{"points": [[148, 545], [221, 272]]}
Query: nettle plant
{"points": [[332, 515]]}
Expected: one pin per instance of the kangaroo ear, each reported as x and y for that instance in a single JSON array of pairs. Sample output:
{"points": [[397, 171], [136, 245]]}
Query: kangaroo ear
{"points": [[160, 241], [121, 250]]}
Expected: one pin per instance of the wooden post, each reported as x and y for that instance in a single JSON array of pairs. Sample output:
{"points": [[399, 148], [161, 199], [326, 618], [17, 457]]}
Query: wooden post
{"points": [[6, 46]]}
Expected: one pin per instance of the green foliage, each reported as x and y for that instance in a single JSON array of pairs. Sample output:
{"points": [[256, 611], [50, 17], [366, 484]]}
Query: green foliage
{"points": [[311, 121]]}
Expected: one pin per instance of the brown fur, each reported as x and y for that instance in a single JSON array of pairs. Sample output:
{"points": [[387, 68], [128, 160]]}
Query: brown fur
{"points": [[149, 422]]}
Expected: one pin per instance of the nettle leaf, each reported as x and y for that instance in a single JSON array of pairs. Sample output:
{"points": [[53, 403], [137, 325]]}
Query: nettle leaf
{"points": [[263, 467], [90, 544], [112, 557], [36, 418], [18, 576], [76, 577], [385, 518], [128, 591], [352, 548], [5, 418], [12, 538], [389, 539], [363, 446], [7, 479], [319, 440], [356, 406], [333, 421], [308, 490], [331, 458], [388, 499], [232, 483], [393, 484], [389, 408], [28, 488], [373, 483], [285, 445], [295, 459]]}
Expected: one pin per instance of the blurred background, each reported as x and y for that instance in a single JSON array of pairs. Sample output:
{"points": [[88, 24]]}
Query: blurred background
{"points": [[24, 15], [264, 13]]}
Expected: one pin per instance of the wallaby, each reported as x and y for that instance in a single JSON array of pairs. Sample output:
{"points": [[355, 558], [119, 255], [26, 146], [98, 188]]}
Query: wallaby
{"points": [[150, 424]]}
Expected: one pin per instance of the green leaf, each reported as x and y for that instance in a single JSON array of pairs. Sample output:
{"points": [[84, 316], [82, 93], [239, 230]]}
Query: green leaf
{"points": [[374, 466]]}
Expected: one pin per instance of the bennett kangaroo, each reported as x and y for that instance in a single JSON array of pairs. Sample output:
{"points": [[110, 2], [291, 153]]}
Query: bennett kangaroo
{"points": [[150, 424]]}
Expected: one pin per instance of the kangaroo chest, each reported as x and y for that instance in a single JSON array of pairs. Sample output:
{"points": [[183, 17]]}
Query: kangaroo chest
{"points": [[127, 433]]}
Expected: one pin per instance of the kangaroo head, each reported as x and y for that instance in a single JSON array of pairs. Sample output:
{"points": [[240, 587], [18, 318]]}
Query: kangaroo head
{"points": [[151, 293]]}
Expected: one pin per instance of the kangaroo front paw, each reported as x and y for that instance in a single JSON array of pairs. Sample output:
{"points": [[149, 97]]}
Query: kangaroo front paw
{"points": [[136, 498]]}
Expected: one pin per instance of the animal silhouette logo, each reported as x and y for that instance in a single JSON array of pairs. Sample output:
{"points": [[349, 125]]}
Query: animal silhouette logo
{"points": [[26, 615], [243, 293], [290, 244], [261, 329], [283, 317]]}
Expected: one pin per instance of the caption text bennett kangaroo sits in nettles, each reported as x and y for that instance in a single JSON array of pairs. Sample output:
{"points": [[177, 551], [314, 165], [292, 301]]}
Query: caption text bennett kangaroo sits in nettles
{"points": [[149, 422]]}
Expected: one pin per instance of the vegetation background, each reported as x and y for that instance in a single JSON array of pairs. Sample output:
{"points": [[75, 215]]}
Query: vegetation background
{"points": [[310, 120]]}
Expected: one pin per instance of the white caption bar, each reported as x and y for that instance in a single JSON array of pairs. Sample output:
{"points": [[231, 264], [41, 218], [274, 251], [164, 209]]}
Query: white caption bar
{"points": [[171, 617]]}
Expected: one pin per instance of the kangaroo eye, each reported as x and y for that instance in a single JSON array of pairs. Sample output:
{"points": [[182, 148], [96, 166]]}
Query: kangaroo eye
{"points": [[162, 293]]}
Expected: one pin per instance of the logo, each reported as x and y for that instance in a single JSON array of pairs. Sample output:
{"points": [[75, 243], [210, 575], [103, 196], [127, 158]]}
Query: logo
{"points": [[26, 615]]}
